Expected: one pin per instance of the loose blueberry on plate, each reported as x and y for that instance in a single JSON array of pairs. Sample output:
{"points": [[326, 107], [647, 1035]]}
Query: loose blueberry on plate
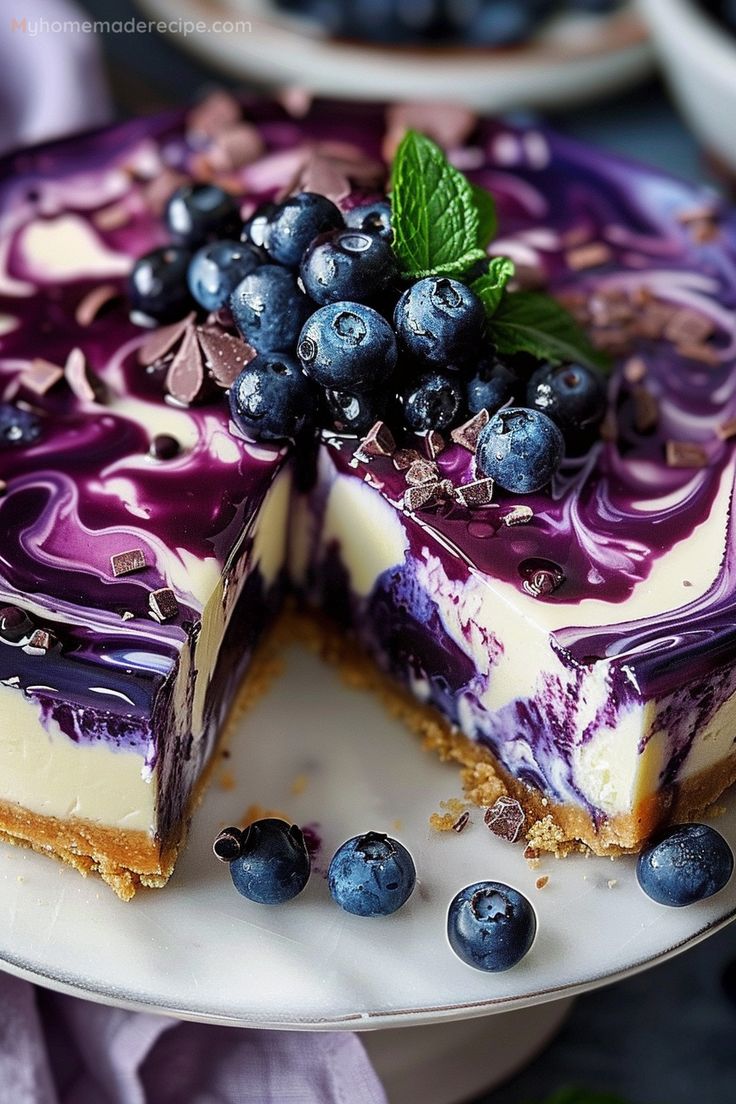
{"points": [[520, 449], [273, 865], [272, 399], [216, 269], [198, 213], [684, 864], [269, 309], [491, 385], [433, 400], [354, 414], [573, 396], [347, 347], [255, 229], [371, 875], [348, 264], [374, 218], [440, 322], [17, 427], [491, 926], [157, 285], [296, 223]]}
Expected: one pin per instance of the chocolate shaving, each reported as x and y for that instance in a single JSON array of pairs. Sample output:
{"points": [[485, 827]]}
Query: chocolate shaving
{"points": [[125, 563], [652, 319], [726, 431], [592, 255], [225, 355], [505, 818], [425, 494], [404, 458], [461, 822], [163, 604], [234, 148], [158, 192], [685, 454], [422, 471], [698, 214], [162, 340], [449, 125], [40, 642], [473, 495], [215, 113], [378, 441], [3, 487], [468, 433], [688, 327], [296, 101], [635, 369], [519, 515], [113, 217], [609, 426], [646, 410], [185, 378], [41, 376], [705, 354], [541, 882], [90, 305], [81, 379], [543, 581], [127, 615], [434, 444]]}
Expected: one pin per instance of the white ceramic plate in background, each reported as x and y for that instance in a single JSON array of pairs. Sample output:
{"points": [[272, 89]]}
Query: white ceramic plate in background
{"points": [[572, 62], [330, 757]]}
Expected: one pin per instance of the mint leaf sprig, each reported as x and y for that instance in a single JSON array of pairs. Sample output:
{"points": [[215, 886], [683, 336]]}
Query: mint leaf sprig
{"points": [[443, 225]]}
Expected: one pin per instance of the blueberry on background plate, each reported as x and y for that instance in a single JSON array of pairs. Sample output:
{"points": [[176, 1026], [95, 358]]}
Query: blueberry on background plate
{"points": [[269, 309], [433, 400], [354, 414], [18, 427], [198, 213], [684, 864], [573, 396], [157, 285], [296, 223], [520, 449], [374, 218], [216, 269], [272, 399], [347, 347], [371, 875], [440, 321], [491, 926], [490, 386], [348, 265], [273, 865]]}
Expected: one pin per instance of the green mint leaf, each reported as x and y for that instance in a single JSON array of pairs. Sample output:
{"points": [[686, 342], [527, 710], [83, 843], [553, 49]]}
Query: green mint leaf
{"points": [[530, 322], [433, 214], [487, 220], [489, 287]]}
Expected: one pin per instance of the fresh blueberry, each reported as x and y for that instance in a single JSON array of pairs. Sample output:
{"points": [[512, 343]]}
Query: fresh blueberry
{"points": [[433, 400], [573, 396], [440, 321], [348, 264], [491, 926], [255, 229], [347, 347], [272, 399], [491, 385], [354, 414], [157, 285], [374, 218], [17, 427], [520, 449], [296, 223], [684, 864], [371, 875], [198, 213], [216, 269], [273, 865], [506, 22], [269, 309]]}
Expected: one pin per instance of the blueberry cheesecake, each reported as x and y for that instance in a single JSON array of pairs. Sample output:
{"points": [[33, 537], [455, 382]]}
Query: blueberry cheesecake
{"points": [[465, 395]]}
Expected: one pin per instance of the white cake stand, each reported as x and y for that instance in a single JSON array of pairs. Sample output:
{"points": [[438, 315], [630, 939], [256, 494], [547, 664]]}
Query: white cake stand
{"points": [[329, 757]]}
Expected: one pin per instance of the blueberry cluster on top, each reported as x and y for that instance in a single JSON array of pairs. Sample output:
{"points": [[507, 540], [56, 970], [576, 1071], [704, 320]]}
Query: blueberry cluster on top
{"points": [[343, 341]]}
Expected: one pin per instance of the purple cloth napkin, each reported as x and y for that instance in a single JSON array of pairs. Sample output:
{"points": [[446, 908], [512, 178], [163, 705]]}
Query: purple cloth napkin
{"points": [[56, 1049]]}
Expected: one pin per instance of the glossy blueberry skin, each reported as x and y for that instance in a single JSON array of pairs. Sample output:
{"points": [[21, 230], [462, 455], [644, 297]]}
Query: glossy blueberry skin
{"points": [[371, 875], [216, 269], [272, 399], [347, 347], [255, 229], [296, 223], [440, 322], [18, 427], [354, 414], [433, 400], [491, 926], [269, 309], [198, 213], [374, 218], [491, 385], [684, 864], [573, 396], [273, 865], [157, 285], [520, 449], [348, 265]]}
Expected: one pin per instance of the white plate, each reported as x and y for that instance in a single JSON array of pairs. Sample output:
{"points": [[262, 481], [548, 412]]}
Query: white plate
{"points": [[200, 951], [573, 61]]}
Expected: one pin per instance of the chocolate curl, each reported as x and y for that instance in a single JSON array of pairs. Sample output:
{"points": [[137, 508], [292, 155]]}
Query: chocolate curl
{"points": [[185, 378]]}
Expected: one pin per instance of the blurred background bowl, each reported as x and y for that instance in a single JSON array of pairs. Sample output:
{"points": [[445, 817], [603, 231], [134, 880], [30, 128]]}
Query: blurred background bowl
{"points": [[699, 59]]}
